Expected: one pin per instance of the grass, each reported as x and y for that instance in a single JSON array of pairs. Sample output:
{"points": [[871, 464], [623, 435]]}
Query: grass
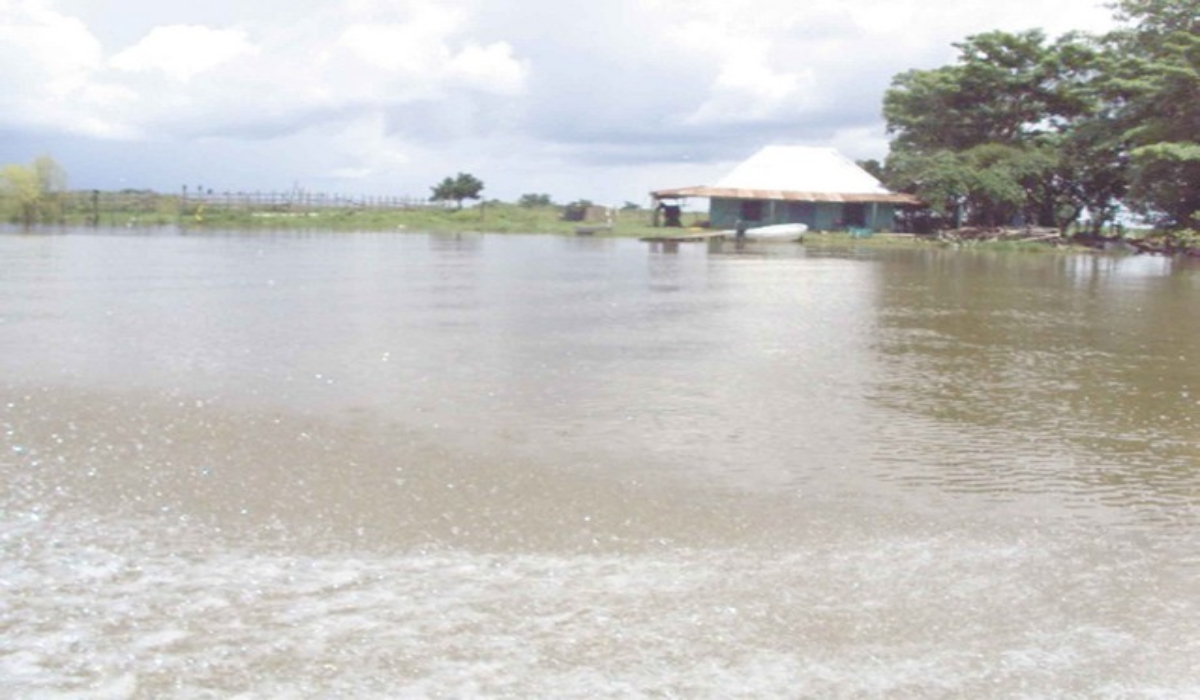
{"points": [[150, 209], [486, 218], [497, 217]]}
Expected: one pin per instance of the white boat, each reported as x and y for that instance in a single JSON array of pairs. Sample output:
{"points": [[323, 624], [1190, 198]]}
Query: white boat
{"points": [[785, 232]]}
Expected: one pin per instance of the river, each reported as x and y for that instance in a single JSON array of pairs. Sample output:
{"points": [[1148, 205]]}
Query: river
{"points": [[294, 465]]}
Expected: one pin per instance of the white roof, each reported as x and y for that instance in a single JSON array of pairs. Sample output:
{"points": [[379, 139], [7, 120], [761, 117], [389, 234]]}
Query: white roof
{"points": [[801, 169]]}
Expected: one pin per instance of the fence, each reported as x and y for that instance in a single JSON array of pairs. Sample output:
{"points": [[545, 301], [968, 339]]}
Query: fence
{"points": [[127, 206], [300, 200]]}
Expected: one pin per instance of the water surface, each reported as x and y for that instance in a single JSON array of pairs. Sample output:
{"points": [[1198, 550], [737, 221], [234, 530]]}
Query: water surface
{"points": [[380, 465]]}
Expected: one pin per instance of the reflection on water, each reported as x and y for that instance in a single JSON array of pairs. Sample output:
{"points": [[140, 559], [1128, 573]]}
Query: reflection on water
{"points": [[1073, 375], [416, 465]]}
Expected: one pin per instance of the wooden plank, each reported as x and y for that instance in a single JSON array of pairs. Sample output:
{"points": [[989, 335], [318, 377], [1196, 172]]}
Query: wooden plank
{"points": [[691, 237]]}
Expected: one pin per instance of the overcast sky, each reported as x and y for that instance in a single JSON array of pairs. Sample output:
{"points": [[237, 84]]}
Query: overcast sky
{"points": [[603, 100]]}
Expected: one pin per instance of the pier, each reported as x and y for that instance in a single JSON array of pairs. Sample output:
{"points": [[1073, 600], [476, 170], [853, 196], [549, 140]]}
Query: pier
{"points": [[689, 237]]}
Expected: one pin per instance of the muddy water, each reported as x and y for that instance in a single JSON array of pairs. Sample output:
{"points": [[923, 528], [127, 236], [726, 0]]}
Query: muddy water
{"points": [[363, 465]]}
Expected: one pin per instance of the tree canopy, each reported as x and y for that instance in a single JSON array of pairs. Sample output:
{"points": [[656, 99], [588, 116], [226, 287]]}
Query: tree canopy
{"points": [[456, 189], [36, 190], [1021, 128], [1153, 83]]}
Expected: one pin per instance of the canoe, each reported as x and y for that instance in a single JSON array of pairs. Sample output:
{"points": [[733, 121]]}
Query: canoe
{"points": [[789, 232]]}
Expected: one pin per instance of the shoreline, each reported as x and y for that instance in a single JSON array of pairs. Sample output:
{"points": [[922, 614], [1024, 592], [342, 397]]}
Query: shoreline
{"points": [[506, 219]]}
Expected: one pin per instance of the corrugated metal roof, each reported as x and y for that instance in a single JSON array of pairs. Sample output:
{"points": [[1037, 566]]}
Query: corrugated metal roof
{"points": [[796, 173], [728, 193]]}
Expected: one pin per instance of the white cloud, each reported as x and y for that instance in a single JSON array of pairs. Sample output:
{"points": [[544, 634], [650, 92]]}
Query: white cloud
{"points": [[749, 88], [491, 68], [417, 59], [191, 80], [363, 149], [783, 60], [775, 63], [46, 61], [39, 44], [183, 51], [414, 47]]}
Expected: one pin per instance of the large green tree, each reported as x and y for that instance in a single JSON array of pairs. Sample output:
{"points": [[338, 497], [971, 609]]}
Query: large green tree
{"points": [[1152, 84], [1078, 124], [981, 138], [1005, 88]]}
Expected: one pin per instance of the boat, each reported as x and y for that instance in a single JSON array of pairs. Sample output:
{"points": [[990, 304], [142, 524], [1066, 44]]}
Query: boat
{"points": [[778, 232]]}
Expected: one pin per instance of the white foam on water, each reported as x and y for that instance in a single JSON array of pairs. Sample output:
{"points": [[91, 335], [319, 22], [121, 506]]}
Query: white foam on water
{"points": [[127, 609]]}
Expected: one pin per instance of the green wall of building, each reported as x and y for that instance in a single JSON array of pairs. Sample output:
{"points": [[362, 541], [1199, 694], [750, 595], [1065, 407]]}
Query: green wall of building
{"points": [[818, 216]]}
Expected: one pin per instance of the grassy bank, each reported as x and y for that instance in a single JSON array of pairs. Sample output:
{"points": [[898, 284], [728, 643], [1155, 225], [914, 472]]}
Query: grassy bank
{"points": [[140, 209], [510, 218], [486, 218], [287, 211]]}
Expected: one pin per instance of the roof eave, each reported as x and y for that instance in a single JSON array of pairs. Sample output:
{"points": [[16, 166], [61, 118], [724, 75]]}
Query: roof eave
{"points": [[784, 195]]}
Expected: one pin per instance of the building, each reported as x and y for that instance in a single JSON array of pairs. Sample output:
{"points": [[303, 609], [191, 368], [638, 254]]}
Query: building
{"points": [[818, 187]]}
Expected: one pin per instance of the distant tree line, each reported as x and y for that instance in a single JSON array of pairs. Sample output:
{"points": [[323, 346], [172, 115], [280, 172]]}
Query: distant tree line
{"points": [[1021, 128], [533, 200]]}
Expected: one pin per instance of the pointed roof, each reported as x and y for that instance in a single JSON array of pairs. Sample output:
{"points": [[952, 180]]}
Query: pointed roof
{"points": [[798, 173], [801, 169]]}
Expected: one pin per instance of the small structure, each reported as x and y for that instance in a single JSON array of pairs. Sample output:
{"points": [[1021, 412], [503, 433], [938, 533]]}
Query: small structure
{"points": [[581, 211], [818, 187]]}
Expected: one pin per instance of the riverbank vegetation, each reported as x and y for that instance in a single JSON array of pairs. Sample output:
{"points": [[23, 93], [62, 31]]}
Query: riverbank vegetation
{"points": [[486, 217], [530, 214], [35, 193], [1075, 134], [299, 210]]}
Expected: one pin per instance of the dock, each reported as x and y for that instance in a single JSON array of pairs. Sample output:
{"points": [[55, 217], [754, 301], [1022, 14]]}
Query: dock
{"points": [[688, 237]]}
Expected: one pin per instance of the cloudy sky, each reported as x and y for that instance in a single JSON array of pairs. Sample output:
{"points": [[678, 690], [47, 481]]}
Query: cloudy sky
{"points": [[603, 100]]}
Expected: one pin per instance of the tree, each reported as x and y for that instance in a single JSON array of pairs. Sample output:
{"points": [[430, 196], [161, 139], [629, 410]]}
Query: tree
{"points": [[52, 184], [872, 166], [985, 139], [20, 185], [1152, 83], [458, 188], [532, 201], [1094, 169], [1005, 88], [1159, 18], [36, 189], [1082, 123], [987, 185]]}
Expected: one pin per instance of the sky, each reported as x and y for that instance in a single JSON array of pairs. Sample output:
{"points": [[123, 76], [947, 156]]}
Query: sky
{"points": [[605, 100]]}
